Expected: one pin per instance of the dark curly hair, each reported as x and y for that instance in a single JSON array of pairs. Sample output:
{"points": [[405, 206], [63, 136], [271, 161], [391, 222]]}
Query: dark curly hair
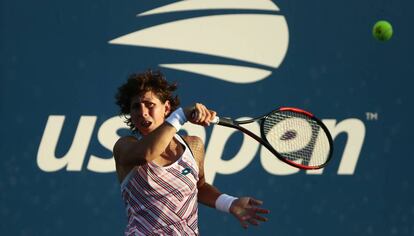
{"points": [[140, 83]]}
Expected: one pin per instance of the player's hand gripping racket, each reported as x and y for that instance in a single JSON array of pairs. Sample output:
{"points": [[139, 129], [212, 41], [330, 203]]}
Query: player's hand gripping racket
{"points": [[294, 136]]}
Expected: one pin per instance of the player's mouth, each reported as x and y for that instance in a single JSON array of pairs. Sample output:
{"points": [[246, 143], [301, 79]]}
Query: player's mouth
{"points": [[145, 124]]}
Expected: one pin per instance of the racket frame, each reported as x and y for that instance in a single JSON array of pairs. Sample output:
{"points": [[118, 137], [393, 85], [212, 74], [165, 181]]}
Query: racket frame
{"points": [[229, 122]]}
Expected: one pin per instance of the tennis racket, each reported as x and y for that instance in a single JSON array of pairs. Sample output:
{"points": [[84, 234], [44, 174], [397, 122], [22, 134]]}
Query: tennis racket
{"points": [[293, 135]]}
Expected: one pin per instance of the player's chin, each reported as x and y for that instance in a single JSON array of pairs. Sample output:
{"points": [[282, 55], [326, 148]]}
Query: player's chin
{"points": [[144, 131]]}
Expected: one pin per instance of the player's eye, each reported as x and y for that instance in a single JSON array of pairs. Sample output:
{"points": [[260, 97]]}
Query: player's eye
{"points": [[150, 105]]}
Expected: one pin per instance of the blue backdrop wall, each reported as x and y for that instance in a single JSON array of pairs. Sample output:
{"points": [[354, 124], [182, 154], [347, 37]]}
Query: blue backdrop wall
{"points": [[62, 61]]}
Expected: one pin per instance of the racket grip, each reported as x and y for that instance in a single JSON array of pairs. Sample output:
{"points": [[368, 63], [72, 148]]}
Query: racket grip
{"points": [[216, 120], [224, 121]]}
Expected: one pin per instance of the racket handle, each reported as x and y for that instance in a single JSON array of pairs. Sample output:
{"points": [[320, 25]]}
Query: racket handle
{"points": [[216, 120], [224, 121]]}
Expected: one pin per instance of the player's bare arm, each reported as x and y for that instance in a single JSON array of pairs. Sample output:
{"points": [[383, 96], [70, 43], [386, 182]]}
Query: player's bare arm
{"points": [[207, 194], [247, 210], [131, 151]]}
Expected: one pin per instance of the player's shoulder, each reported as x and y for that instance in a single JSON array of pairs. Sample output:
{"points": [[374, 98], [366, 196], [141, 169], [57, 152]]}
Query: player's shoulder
{"points": [[126, 139], [193, 140], [122, 142], [196, 146]]}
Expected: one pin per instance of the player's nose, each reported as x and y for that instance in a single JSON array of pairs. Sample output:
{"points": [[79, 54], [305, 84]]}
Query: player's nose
{"points": [[143, 111]]}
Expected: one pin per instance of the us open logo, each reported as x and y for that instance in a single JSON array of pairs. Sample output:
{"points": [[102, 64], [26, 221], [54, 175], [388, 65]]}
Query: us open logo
{"points": [[256, 42], [249, 38]]}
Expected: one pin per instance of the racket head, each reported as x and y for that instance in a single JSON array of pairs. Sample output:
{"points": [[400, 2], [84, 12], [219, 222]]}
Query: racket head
{"points": [[297, 138]]}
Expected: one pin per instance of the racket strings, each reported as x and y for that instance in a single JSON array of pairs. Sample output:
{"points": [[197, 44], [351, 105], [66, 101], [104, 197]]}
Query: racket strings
{"points": [[297, 137]]}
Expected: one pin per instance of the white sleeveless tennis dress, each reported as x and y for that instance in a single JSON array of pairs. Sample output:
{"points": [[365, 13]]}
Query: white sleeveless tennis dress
{"points": [[162, 200]]}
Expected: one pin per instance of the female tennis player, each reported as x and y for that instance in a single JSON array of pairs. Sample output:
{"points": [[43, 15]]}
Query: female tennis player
{"points": [[161, 173]]}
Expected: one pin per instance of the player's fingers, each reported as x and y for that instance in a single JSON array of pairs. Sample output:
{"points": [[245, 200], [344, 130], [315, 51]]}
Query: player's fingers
{"points": [[195, 113], [200, 112], [260, 210], [253, 222], [213, 115], [205, 118], [242, 216], [196, 117], [206, 114], [202, 115], [255, 202], [245, 225], [260, 218]]}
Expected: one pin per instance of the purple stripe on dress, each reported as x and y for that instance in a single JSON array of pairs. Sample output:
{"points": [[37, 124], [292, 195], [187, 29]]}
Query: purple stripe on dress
{"points": [[182, 177], [157, 195], [165, 185], [186, 204]]}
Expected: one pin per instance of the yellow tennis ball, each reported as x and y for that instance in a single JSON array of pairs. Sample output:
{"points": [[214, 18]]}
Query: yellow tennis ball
{"points": [[382, 30]]}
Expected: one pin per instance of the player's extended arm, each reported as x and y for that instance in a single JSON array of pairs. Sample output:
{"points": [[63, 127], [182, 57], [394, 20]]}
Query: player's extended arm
{"points": [[130, 151], [245, 209]]}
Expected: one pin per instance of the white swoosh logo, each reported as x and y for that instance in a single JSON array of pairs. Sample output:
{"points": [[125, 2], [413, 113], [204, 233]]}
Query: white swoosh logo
{"points": [[213, 4], [238, 74], [259, 39]]}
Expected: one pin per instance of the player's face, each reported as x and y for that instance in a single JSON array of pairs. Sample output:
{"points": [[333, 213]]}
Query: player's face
{"points": [[148, 112]]}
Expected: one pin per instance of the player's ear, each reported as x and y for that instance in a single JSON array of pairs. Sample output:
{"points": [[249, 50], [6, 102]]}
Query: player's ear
{"points": [[167, 106]]}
